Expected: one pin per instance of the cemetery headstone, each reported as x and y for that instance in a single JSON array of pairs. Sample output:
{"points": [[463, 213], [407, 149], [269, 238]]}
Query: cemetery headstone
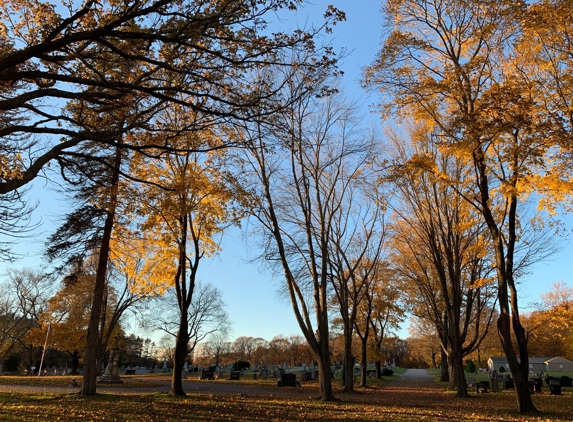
{"points": [[494, 385], [288, 380], [111, 374], [555, 387], [482, 386], [508, 383], [207, 374]]}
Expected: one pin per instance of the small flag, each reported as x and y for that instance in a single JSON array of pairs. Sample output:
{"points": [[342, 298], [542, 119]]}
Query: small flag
{"points": [[50, 329]]}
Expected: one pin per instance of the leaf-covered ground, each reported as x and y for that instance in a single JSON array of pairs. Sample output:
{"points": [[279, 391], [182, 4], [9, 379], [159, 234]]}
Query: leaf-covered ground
{"points": [[400, 400]]}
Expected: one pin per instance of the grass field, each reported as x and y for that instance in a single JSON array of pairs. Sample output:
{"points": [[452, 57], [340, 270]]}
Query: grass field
{"points": [[379, 402]]}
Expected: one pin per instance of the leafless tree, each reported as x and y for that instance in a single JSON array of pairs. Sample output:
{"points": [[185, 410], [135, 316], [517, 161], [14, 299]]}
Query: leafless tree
{"points": [[206, 316], [303, 169], [24, 296], [216, 346]]}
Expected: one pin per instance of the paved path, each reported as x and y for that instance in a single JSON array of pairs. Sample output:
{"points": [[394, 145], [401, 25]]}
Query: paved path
{"points": [[155, 386], [414, 377], [414, 387]]}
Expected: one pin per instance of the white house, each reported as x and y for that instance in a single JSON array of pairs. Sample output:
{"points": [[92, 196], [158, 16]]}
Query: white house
{"points": [[537, 364], [558, 365], [496, 362]]}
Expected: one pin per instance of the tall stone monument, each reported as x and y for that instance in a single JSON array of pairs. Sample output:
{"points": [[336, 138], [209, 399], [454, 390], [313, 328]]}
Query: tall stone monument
{"points": [[111, 374]]}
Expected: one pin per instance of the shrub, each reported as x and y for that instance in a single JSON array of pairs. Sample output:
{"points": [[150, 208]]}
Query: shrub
{"points": [[387, 372], [12, 362], [470, 366], [501, 369], [566, 381], [240, 365]]}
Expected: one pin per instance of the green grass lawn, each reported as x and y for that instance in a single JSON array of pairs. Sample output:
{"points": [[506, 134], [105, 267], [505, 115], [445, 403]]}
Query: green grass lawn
{"points": [[484, 376], [65, 380]]}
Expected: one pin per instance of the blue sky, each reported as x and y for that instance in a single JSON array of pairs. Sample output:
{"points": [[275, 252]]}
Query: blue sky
{"points": [[252, 297]]}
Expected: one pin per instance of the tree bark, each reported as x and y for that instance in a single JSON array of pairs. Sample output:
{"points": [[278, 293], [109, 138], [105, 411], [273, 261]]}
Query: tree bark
{"points": [[457, 377], [363, 362], [184, 297], [519, 370], [92, 353], [452, 375], [325, 379], [75, 363], [444, 370], [457, 374], [348, 363], [180, 355], [507, 293]]}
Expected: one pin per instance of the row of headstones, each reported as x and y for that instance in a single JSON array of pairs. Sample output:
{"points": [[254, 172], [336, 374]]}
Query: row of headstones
{"points": [[48, 371], [263, 373], [252, 368], [535, 385]]}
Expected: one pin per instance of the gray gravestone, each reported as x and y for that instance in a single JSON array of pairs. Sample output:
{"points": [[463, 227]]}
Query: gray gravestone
{"points": [[111, 374]]}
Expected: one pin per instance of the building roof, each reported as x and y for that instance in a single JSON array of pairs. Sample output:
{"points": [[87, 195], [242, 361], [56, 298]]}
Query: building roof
{"points": [[500, 360], [558, 360], [538, 360]]}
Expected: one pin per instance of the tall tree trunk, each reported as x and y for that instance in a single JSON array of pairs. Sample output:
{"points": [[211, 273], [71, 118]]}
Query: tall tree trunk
{"points": [[457, 375], [378, 365], [444, 372], [519, 370], [75, 362], [456, 360], [504, 247], [91, 369], [348, 362], [181, 351], [184, 297], [451, 372], [363, 362], [325, 378], [92, 353], [317, 338]]}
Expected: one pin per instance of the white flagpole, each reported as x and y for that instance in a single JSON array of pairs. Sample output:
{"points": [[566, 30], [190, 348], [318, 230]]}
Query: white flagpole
{"points": [[44, 351]]}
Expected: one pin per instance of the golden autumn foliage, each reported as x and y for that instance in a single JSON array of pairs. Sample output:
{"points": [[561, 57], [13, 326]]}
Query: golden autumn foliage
{"points": [[545, 58], [68, 313], [551, 328], [461, 67], [193, 184], [440, 249], [196, 53]]}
